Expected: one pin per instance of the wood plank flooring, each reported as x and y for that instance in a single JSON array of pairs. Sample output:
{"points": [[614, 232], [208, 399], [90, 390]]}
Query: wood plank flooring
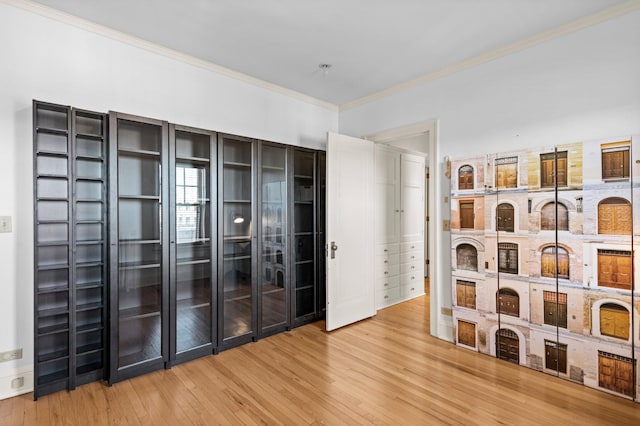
{"points": [[386, 370]]}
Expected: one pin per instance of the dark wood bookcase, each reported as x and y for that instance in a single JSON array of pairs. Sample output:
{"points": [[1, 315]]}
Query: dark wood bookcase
{"points": [[139, 234], [156, 243], [237, 247], [70, 203], [274, 236], [193, 248]]}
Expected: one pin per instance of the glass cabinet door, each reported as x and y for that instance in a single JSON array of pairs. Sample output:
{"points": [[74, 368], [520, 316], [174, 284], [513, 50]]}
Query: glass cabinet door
{"points": [[273, 274], [304, 233], [139, 273], [192, 249], [236, 268]]}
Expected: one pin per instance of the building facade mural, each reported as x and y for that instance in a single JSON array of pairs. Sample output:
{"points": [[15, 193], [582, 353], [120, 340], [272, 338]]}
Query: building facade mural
{"points": [[543, 244]]}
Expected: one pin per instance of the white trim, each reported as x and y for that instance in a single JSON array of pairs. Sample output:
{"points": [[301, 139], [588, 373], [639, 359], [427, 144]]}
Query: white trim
{"points": [[568, 28], [121, 37]]}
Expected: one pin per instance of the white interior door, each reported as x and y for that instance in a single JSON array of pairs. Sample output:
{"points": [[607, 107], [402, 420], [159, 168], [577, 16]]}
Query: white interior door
{"points": [[350, 243]]}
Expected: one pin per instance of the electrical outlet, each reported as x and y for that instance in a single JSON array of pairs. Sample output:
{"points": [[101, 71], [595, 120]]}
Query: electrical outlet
{"points": [[5, 224], [11, 355], [17, 383]]}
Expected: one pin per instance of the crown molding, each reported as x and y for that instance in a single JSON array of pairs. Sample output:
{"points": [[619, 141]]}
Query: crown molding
{"points": [[119, 36], [571, 27]]}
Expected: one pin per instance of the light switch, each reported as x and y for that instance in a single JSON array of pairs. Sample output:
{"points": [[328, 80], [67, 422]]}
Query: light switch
{"points": [[5, 224]]}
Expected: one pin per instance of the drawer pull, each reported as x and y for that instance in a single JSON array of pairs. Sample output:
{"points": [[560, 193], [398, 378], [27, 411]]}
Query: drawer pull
{"points": [[413, 257], [413, 278], [413, 288], [386, 296], [386, 250], [386, 272], [386, 261], [386, 284], [413, 267]]}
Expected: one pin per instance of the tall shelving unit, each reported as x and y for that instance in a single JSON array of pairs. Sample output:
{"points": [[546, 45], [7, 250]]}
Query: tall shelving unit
{"points": [[70, 248], [237, 271], [193, 253], [304, 253], [157, 243], [139, 228]]}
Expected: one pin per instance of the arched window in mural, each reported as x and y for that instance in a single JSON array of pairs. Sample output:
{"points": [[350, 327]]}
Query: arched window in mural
{"points": [[614, 321], [614, 216], [508, 302], [505, 217], [465, 177], [467, 257], [548, 262], [548, 217]]}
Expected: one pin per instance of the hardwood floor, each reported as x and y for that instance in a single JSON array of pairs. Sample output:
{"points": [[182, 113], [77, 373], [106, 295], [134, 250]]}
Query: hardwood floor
{"points": [[386, 370]]}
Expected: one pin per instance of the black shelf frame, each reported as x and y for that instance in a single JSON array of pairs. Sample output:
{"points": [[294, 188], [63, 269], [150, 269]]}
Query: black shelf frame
{"points": [[58, 369], [264, 284], [245, 335], [124, 365], [205, 342]]}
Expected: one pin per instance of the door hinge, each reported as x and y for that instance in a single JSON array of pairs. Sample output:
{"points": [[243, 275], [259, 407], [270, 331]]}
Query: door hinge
{"points": [[427, 218], [426, 261]]}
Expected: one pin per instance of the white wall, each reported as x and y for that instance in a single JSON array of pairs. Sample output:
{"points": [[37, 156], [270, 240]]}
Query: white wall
{"points": [[50, 61], [583, 86]]}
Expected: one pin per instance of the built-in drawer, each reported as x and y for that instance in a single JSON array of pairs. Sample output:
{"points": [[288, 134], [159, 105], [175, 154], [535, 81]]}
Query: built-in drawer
{"points": [[387, 270], [386, 249], [388, 259], [412, 256], [411, 267], [411, 246], [387, 297], [387, 282], [411, 290], [412, 279]]}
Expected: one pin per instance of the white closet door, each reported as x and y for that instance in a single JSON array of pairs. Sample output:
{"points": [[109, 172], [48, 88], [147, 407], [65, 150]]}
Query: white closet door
{"points": [[412, 204], [350, 204], [387, 196]]}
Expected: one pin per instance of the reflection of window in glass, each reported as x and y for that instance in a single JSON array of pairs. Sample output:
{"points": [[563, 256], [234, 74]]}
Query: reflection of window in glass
{"points": [[467, 257], [466, 294], [614, 216], [548, 217], [548, 169], [615, 161], [505, 217], [614, 269], [508, 302], [191, 202], [555, 308], [614, 321], [465, 177], [548, 262], [555, 356], [508, 258], [506, 172]]}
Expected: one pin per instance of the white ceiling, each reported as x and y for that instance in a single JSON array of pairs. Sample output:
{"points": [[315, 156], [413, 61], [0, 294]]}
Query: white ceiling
{"points": [[371, 44]]}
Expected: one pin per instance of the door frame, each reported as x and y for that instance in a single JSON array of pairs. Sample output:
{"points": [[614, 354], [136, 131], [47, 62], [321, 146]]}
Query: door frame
{"points": [[441, 320]]}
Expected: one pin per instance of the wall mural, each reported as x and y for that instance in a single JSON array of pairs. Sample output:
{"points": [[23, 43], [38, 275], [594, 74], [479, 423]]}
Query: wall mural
{"points": [[542, 260]]}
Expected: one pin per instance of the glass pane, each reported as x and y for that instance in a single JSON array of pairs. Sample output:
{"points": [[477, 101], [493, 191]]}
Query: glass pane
{"points": [[272, 279], [193, 237], [237, 279]]}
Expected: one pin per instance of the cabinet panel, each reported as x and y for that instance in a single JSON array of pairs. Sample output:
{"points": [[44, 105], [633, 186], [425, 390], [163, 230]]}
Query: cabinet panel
{"points": [[237, 319], [139, 249], [274, 261], [192, 252], [68, 299]]}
